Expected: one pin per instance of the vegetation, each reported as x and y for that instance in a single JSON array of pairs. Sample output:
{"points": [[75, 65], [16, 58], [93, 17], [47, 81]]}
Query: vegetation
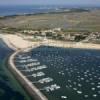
{"points": [[77, 24], [79, 38], [76, 20]]}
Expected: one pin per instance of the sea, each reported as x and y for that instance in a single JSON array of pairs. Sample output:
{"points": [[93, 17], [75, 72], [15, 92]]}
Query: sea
{"points": [[9, 87], [9, 10], [28, 9]]}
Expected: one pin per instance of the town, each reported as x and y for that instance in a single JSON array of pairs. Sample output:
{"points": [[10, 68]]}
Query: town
{"points": [[60, 34]]}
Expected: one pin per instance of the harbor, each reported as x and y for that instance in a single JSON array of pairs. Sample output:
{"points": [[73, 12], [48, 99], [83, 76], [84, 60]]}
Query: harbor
{"points": [[58, 73], [49, 50]]}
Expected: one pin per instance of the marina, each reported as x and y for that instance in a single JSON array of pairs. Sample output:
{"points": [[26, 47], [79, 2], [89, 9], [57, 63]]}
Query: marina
{"points": [[49, 50], [62, 73]]}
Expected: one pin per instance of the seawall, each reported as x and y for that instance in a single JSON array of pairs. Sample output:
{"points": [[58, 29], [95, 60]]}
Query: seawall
{"points": [[28, 86]]}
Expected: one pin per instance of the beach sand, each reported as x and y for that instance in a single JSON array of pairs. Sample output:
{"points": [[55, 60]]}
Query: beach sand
{"points": [[72, 44], [17, 42]]}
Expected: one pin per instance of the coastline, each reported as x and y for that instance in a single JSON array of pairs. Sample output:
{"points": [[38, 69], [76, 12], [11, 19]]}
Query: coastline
{"points": [[32, 14], [20, 47], [16, 42], [26, 84], [54, 10], [67, 19], [79, 45]]}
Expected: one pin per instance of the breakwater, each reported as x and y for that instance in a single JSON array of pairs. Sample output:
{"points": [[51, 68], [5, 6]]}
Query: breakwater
{"points": [[29, 87]]}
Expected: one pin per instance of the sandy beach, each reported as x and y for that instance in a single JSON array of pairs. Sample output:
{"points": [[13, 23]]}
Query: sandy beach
{"points": [[19, 44], [72, 44], [16, 42]]}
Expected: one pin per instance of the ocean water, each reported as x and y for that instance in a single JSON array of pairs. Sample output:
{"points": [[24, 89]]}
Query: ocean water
{"points": [[17, 10], [76, 72], [35, 9], [7, 83]]}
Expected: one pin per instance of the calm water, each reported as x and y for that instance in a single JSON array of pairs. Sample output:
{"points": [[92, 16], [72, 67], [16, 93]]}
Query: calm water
{"points": [[7, 91], [75, 72], [17, 10], [34, 9]]}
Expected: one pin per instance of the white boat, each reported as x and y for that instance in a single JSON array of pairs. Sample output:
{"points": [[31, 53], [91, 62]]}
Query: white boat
{"points": [[38, 74], [79, 92], [45, 80], [64, 97], [52, 88]]}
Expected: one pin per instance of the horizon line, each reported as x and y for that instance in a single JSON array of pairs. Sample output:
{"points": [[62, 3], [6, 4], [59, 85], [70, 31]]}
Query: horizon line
{"points": [[50, 4]]}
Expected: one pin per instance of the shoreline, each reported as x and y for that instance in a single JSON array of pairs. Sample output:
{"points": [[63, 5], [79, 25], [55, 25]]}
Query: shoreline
{"points": [[60, 10], [33, 91], [79, 45], [31, 14], [8, 43], [18, 43]]}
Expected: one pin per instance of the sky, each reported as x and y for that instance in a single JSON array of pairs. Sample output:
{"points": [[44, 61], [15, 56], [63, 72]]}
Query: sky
{"points": [[50, 2]]}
